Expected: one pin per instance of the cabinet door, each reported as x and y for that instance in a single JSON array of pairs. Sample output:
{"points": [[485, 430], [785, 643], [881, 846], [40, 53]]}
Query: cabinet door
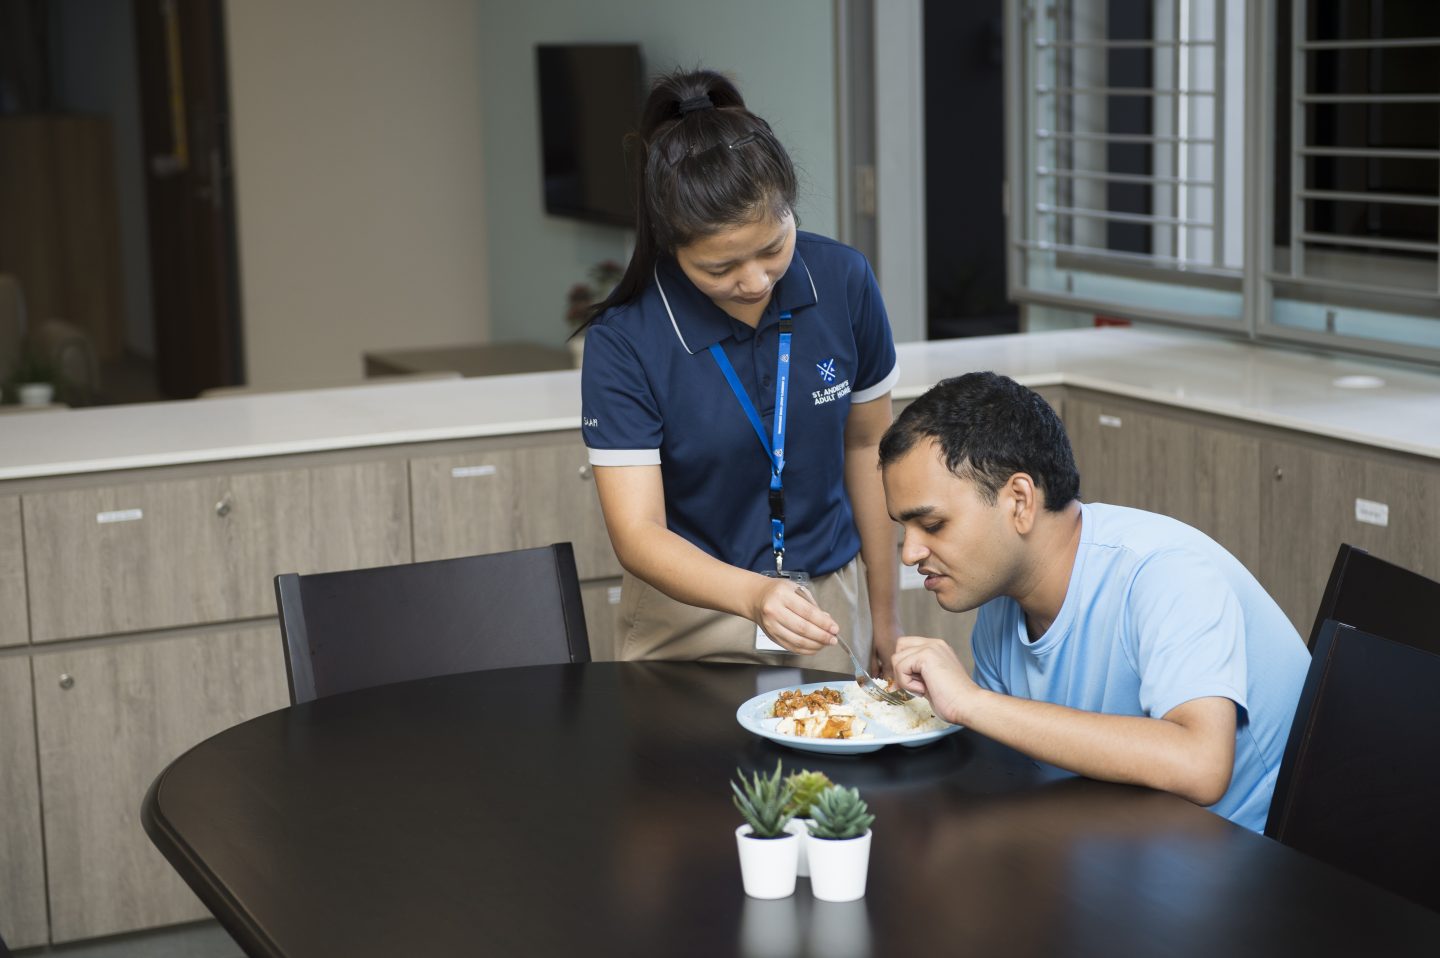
{"points": [[1314, 500], [175, 553], [110, 719], [1206, 477], [22, 865], [464, 505], [559, 504], [602, 617], [14, 623]]}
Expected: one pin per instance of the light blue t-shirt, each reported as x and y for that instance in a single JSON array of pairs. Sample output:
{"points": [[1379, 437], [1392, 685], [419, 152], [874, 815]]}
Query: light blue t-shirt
{"points": [[1157, 614]]}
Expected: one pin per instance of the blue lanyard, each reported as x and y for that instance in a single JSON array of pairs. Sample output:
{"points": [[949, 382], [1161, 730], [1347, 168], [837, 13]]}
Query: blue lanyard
{"points": [[774, 446]]}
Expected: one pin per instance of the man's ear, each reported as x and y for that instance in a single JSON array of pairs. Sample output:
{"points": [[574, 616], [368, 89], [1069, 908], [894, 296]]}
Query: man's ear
{"points": [[1023, 498]]}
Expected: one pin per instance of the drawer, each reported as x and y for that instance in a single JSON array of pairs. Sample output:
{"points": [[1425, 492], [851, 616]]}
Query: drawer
{"points": [[14, 624], [180, 552]]}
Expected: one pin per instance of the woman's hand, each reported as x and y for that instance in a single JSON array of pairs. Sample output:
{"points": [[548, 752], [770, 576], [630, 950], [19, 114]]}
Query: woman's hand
{"points": [[930, 668], [885, 635], [790, 616]]}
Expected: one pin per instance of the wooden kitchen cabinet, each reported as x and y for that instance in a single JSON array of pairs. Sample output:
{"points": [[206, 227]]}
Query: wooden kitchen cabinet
{"points": [[1206, 476], [500, 499], [14, 621], [22, 865], [109, 719], [464, 504], [1316, 496], [602, 618], [163, 554]]}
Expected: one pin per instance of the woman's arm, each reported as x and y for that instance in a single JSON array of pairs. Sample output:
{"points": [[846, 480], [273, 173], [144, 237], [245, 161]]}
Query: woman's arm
{"points": [[633, 500], [865, 425]]}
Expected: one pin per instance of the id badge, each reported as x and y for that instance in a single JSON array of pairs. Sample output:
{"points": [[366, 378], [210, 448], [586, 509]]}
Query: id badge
{"points": [[763, 642]]}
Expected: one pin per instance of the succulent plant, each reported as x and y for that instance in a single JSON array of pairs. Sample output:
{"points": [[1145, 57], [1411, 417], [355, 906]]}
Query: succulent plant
{"points": [[808, 785], [839, 813], [763, 801]]}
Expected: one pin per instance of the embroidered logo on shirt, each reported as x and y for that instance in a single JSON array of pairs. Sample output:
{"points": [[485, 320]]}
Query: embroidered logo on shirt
{"points": [[827, 370]]}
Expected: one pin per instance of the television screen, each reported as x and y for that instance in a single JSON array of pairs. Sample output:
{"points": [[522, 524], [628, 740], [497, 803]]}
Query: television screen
{"points": [[590, 99]]}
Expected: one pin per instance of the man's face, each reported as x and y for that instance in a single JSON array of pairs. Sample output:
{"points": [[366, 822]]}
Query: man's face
{"points": [[967, 549]]}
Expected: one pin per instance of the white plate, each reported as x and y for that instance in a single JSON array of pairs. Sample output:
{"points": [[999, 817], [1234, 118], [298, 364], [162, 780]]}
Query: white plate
{"points": [[755, 716]]}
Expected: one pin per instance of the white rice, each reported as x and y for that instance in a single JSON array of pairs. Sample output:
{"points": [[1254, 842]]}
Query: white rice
{"points": [[909, 718]]}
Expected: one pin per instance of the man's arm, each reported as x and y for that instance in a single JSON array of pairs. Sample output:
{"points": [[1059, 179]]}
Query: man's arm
{"points": [[1189, 751]]}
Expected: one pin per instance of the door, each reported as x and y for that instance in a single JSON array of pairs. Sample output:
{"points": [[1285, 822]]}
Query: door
{"points": [[14, 621], [22, 867], [184, 104], [109, 720]]}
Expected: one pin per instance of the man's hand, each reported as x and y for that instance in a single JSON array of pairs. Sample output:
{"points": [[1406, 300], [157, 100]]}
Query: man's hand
{"points": [[929, 667], [790, 616]]}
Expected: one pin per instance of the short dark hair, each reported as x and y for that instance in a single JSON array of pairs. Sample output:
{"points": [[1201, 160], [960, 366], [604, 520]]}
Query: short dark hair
{"points": [[990, 427]]}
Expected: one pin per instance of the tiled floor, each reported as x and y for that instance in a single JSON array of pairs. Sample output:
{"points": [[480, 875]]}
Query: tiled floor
{"points": [[204, 939]]}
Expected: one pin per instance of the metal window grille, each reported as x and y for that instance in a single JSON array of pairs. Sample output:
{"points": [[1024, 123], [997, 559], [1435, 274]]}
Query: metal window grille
{"points": [[1370, 251], [1124, 147]]}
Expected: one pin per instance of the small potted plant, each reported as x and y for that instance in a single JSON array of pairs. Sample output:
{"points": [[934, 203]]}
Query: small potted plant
{"points": [[582, 296], [768, 851], [807, 785], [35, 380], [838, 844]]}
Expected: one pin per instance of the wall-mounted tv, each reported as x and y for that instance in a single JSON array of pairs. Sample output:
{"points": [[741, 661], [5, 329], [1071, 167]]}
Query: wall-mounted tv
{"points": [[590, 99]]}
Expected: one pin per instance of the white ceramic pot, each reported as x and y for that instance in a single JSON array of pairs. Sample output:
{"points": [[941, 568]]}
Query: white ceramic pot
{"points": [[838, 867], [35, 394], [800, 827], [767, 865]]}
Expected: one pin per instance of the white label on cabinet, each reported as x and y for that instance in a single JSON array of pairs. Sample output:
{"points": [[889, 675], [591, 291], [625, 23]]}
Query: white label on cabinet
{"points": [[910, 577], [1112, 421], [465, 472], [119, 515], [1374, 513], [612, 595]]}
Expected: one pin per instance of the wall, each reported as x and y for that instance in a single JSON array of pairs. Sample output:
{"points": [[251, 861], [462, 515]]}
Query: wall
{"points": [[360, 182], [781, 54]]}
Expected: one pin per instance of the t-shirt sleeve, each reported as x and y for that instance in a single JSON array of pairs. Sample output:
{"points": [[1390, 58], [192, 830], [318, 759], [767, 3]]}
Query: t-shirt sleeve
{"points": [[877, 372], [619, 418], [1189, 632]]}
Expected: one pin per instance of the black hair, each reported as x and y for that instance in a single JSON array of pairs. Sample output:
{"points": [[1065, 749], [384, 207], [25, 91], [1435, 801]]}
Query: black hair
{"points": [[990, 427], [706, 163]]}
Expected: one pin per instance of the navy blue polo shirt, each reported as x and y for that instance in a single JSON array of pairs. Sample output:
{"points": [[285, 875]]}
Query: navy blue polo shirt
{"points": [[653, 395]]}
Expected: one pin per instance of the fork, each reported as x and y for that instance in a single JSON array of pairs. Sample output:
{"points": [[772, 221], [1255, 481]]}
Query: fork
{"points": [[863, 678], [867, 681]]}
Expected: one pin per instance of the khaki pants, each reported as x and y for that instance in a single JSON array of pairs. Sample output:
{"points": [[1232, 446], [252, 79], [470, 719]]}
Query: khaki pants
{"points": [[656, 627]]}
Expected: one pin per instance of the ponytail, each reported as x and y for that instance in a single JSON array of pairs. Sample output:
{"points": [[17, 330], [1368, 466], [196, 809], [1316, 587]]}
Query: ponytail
{"points": [[706, 163]]}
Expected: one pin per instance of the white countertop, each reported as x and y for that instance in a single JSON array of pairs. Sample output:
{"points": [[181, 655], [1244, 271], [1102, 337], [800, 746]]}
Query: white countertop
{"points": [[1291, 389]]}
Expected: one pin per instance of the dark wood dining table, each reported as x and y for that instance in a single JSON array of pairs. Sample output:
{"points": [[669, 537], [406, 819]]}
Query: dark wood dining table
{"points": [[585, 810]]}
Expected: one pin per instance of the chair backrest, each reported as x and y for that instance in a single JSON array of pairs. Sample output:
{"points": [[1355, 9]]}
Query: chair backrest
{"points": [[353, 630], [1381, 598], [1360, 778]]}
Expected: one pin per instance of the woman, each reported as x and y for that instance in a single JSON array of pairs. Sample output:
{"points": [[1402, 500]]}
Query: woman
{"points": [[725, 315]]}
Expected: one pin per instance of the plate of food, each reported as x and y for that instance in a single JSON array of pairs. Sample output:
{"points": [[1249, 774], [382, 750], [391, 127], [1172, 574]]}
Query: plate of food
{"points": [[839, 718]]}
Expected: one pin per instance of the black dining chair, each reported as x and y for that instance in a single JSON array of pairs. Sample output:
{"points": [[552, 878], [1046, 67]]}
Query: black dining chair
{"points": [[1381, 598], [1360, 778], [353, 630]]}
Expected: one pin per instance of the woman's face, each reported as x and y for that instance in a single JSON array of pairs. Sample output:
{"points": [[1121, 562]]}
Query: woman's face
{"points": [[739, 266]]}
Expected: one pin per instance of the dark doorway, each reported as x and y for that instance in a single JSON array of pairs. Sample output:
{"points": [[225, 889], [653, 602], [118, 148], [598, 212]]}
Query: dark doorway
{"points": [[116, 213], [184, 105], [965, 170]]}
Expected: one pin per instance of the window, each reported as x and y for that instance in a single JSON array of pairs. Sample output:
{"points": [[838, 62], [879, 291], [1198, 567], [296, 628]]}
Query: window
{"points": [[1269, 168]]}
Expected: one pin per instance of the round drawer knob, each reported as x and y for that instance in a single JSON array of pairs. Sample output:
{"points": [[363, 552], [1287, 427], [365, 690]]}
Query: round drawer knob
{"points": [[67, 681], [585, 472], [222, 508], [1279, 473]]}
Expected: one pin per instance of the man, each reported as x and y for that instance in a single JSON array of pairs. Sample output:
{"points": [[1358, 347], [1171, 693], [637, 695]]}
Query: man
{"points": [[1115, 643]]}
